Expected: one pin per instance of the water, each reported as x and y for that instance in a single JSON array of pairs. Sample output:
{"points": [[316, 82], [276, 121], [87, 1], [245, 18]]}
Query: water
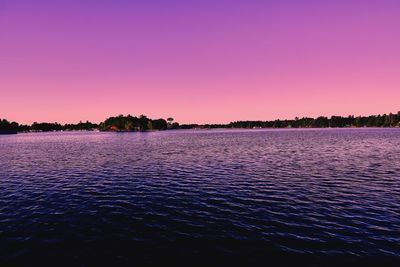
{"points": [[310, 197]]}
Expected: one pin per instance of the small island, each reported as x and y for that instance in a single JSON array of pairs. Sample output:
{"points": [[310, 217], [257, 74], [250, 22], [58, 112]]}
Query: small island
{"points": [[136, 124]]}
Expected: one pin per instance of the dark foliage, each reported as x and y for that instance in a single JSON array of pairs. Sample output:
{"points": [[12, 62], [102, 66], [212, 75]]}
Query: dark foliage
{"points": [[390, 120], [142, 123], [8, 127], [81, 126], [130, 123], [46, 127]]}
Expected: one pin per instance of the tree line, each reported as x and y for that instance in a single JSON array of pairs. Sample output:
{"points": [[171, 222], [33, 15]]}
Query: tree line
{"points": [[117, 124], [6, 126], [131, 123], [385, 120], [123, 123]]}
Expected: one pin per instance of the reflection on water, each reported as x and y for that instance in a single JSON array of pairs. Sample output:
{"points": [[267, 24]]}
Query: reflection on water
{"points": [[209, 197]]}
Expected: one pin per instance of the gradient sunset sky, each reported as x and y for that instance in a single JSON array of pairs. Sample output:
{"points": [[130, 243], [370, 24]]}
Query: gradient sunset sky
{"points": [[198, 61]]}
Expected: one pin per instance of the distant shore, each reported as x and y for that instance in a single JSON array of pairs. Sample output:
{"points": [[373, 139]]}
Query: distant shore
{"points": [[206, 129], [142, 123]]}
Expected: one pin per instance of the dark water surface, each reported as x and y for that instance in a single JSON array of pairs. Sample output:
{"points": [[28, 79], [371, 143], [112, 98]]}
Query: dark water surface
{"points": [[254, 197]]}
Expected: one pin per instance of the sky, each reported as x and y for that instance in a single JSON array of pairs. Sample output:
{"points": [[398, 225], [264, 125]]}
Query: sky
{"points": [[198, 61]]}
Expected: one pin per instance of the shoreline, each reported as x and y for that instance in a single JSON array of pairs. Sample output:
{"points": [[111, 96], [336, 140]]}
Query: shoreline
{"points": [[202, 129]]}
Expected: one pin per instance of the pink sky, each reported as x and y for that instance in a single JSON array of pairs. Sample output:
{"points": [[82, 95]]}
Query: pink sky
{"points": [[198, 61]]}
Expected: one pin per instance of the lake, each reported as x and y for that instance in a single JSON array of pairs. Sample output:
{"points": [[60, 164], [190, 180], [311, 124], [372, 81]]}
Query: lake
{"points": [[208, 197]]}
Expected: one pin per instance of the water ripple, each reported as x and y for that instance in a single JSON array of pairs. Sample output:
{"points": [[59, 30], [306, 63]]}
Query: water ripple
{"points": [[317, 197]]}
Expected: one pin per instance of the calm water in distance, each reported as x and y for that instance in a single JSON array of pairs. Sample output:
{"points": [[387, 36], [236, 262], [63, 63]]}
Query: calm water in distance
{"points": [[313, 197]]}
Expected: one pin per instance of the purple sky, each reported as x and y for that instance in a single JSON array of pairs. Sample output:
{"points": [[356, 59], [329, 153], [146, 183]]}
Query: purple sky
{"points": [[198, 61]]}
